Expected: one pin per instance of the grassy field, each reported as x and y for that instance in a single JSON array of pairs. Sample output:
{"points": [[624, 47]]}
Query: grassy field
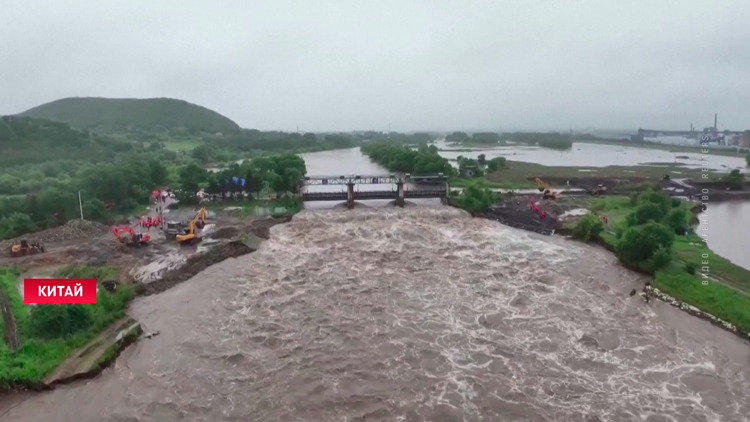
{"points": [[519, 172], [186, 145], [727, 294], [666, 147], [39, 356]]}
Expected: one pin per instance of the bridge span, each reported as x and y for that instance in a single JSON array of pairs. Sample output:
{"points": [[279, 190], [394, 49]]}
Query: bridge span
{"points": [[407, 187]]}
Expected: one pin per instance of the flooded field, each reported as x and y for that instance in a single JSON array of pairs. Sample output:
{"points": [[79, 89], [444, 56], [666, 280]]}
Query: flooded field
{"points": [[416, 314]]}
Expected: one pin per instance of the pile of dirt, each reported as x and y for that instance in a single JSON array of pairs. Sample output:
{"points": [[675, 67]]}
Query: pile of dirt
{"points": [[225, 233], [72, 230], [262, 227], [194, 265], [515, 212]]}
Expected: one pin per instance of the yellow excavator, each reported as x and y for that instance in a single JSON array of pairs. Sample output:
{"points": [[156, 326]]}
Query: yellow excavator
{"points": [[544, 187], [198, 221]]}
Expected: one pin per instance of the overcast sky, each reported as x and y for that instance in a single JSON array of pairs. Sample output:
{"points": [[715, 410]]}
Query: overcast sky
{"points": [[349, 64]]}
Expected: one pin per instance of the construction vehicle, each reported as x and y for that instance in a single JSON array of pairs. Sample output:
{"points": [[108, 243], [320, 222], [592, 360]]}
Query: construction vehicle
{"points": [[544, 187], [173, 228], [198, 221], [25, 248], [127, 236], [599, 190]]}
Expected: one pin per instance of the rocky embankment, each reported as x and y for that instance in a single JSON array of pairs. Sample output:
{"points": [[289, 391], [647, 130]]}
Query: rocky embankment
{"points": [[652, 292]]}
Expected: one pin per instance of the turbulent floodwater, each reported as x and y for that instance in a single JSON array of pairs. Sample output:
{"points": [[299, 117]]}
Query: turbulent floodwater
{"points": [[413, 314]]}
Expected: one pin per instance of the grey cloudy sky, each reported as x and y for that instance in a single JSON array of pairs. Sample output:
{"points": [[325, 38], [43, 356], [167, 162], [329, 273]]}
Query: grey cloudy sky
{"points": [[350, 64]]}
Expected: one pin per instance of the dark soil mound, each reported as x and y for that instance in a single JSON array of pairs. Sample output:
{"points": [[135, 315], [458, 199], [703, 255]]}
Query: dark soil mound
{"points": [[194, 265]]}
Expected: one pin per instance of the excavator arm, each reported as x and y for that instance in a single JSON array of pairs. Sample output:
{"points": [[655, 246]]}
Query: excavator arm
{"points": [[199, 218]]}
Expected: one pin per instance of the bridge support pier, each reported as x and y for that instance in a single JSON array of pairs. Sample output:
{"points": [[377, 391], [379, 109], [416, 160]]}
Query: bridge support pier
{"points": [[350, 195], [400, 193]]}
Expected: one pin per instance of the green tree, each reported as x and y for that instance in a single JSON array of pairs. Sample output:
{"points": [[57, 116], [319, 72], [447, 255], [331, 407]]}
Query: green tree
{"points": [[662, 200], [482, 159], [639, 243], [475, 197], [202, 153], [496, 163], [191, 176], [648, 211], [15, 225], [677, 219], [589, 227], [253, 182], [94, 209], [159, 173], [275, 182], [747, 159], [735, 179]]}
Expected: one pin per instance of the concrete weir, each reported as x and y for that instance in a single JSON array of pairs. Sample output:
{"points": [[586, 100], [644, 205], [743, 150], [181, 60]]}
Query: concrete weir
{"points": [[407, 187]]}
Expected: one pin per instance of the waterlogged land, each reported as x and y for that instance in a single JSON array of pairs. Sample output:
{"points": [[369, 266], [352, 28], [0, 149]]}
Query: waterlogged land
{"points": [[411, 314]]}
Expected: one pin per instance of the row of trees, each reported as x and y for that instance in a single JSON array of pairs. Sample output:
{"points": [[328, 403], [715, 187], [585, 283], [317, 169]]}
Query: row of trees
{"points": [[280, 174], [647, 235], [424, 160]]}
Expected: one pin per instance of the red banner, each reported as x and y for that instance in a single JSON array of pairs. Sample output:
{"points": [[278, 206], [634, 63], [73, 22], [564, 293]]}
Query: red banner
{"points": [[59, 290]]}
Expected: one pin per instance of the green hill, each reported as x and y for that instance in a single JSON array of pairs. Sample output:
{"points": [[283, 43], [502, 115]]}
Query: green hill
{"points": [[135, 116], [24, 140]]}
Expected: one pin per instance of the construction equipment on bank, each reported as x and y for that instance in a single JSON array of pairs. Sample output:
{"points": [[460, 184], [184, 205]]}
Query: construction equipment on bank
{"points": [[534, 207], [25, 248], [127, 236], [544, 187], [197, 222], [601, 189]]}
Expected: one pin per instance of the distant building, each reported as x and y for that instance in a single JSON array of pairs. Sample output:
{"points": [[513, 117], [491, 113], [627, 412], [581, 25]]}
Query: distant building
{"points": [[468, 171], [746, 139], [219, 135]]}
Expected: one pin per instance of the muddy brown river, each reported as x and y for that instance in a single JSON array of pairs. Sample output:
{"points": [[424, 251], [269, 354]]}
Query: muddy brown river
{"points": [[417, 314]]}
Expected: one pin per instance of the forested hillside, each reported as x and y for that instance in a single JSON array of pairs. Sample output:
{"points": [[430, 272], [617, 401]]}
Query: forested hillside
{"points": [[136, 118], [24, 140]]}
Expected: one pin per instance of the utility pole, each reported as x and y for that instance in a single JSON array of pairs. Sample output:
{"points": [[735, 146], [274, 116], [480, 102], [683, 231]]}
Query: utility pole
{"points": [[80, 207]]}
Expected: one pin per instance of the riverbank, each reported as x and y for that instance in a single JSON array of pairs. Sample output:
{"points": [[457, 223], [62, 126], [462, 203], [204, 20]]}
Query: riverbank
{"points": [[31, 360], [45, 335], [665, 147], [695, 275]]}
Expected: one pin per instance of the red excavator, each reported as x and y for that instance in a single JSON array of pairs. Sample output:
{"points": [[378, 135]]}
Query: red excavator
{"points": [[535, 208], [127, 236]]}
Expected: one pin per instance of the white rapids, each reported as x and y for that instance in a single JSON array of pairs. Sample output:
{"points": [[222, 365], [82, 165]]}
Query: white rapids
{"points": [[417, 314]]}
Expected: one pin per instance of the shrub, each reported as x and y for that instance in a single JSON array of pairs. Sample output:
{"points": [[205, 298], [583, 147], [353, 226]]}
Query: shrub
{"points": [[587, 228], [677, 219], [661, 258], [648, 211], [676, 202], [51, 320], [662, 200], [691, 268], [475, 197], [634, 198], [638, 244]]}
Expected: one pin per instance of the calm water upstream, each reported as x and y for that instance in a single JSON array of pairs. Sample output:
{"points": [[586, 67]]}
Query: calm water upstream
{"points": [[596, 155], [416, 314], [728, 228]]}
